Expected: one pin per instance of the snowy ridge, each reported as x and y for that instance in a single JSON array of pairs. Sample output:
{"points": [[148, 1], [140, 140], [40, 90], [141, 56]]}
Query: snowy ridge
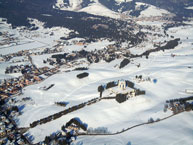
{"points": [[95, 8], [151, 10], [172, 70], [99, 9], [118, 116]]}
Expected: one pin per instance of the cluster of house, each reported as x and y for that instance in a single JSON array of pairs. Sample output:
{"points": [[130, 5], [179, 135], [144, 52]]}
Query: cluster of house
{"points": [[18, 68], [60, 43], [98, 130], [31, 75], [179, 105], [9, 87], [25, 59], [67, 134], [48, 51], [8, 57], [9, 135], [14, 86], [1, 59], [141, 79], [108, 54], [8, 38], [165, 18]]}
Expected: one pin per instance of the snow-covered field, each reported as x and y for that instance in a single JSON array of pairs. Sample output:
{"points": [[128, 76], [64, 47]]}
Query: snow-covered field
{"points": [[173, 77], [151, 10], [98, 9], [173, 74]]}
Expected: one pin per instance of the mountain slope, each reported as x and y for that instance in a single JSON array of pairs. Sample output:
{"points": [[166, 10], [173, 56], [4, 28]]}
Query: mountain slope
{"points": [[83, 25], [173, 6], [99, 9], [113, 8], [151, 10]]}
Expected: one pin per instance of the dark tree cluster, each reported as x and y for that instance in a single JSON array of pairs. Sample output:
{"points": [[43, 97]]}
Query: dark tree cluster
{"points": [[49, 87], [124, 63], [177, 7], [101, 88], [139, 92], [80, 68], [111, 85], [64, 104], [60, 56], [170, 45], [121, 98], [82, 75], [130, 84], [180, 99]]}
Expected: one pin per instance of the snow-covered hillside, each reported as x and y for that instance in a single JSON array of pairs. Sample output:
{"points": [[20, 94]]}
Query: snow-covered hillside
{"points": [[151, 10], [99, 9], [173, 77], [54, 56]]}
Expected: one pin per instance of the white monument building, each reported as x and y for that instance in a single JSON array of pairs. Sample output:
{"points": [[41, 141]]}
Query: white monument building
{"points": [[122, 85]]}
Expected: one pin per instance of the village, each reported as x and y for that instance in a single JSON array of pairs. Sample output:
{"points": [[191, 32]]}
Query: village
{"points": [[9, 88], [120, 90], [67, 134], [108, 54], [179, 105], [74, 127], [30, 76], [9, 133]]}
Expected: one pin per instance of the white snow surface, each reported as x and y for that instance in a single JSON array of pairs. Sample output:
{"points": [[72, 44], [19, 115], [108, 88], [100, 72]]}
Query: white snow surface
{"points": [[99, 9], [151, 10], [171, 83], [173, 77]]}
